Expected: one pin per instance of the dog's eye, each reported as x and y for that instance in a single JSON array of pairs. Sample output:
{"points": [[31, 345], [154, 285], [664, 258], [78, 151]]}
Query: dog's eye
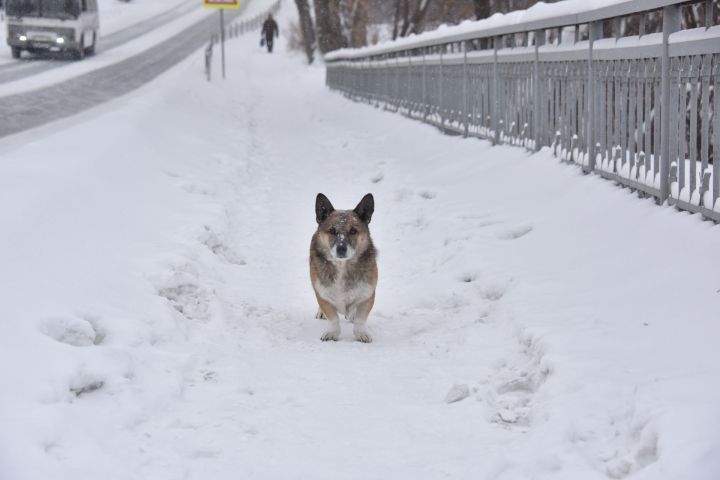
{"points": [[332, 231], [353, 231]]}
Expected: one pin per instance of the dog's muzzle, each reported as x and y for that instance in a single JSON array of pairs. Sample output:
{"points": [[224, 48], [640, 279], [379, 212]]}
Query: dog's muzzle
{"points": [[341, 250], [341, 247]]}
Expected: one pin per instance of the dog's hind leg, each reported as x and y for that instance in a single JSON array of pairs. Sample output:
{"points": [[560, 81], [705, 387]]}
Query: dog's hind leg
{"points": [[320, 315]]}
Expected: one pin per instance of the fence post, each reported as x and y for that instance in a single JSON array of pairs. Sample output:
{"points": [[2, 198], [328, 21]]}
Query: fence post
{"points": [[398, 99], [595, 33], [466, 96], [494, 94], [408, 90], [208, 60], [671, 24], [440, 90], [424, 87], [222, 40], [539, 37]]}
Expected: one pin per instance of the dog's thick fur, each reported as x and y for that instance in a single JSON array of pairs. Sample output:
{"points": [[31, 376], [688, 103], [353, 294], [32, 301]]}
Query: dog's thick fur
{"points": [[343, 269]]}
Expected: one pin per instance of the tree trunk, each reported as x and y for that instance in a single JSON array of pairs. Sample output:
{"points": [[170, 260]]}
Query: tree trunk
{"points": [[405, 16], [307, 28], [415, 25], [358, 33], [329, 30], [396, 20], [482, 8]]}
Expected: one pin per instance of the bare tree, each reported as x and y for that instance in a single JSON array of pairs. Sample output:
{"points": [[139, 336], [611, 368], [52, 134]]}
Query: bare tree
{"points": [[354, 21], [409, 18], [414, 16], [359, 19], [483, 8], [307, 28], [329, 29]]}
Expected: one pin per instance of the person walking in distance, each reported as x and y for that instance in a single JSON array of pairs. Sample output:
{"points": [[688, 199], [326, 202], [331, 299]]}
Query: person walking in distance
{"points": [[270, 30]]}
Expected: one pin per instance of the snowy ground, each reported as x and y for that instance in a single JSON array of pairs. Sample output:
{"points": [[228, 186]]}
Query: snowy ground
{"points": [[158, 317]]}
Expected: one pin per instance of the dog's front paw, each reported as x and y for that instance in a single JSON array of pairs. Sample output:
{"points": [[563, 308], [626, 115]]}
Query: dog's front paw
{"points": [[330, 335], [362, 335], [320, 315], [364, 338]]}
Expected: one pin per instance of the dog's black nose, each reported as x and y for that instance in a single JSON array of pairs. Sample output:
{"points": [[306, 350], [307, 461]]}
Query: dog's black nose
{"points": [[341, 250]]}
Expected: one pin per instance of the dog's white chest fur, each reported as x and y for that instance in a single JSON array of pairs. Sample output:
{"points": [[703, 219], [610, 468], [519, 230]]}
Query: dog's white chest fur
{"points": [[344, 299]]}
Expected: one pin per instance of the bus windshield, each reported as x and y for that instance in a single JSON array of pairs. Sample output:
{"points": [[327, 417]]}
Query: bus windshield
{"points": [[42, 8]]}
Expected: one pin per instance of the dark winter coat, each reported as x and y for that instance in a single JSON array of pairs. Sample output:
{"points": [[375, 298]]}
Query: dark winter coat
{"points": [[270, 29]]}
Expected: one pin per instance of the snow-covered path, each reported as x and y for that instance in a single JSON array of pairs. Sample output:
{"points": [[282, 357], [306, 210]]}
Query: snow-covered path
{"points": [[158, 317]]}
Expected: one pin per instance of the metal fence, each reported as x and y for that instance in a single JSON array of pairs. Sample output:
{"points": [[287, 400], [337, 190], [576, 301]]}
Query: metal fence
{"points": [[602, 88]]}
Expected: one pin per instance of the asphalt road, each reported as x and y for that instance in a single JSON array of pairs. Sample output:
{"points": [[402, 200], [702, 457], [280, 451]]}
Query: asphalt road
{"points": [[34, 64], [31, 109]]}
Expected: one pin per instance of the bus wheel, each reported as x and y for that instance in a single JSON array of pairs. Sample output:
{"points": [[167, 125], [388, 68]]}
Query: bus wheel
{"points": [[79, 54], [15, 52], [91, 49]]}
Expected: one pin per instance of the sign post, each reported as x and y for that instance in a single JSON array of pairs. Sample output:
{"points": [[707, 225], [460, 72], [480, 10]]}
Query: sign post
{"points": [[222, 5], [222, 40]]}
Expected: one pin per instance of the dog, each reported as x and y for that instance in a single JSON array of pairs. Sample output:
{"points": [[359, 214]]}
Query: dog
{"points": [[343, 267]]}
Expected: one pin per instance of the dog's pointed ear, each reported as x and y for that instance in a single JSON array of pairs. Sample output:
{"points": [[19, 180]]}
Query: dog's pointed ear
{"points": [[365, 208], [323, 208]]}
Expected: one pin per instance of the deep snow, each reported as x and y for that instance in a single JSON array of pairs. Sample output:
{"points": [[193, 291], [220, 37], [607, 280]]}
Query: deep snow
{"points": [[158, 317]]}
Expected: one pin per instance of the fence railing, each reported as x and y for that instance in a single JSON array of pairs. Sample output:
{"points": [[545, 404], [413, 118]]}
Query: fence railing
{"points": [[235, 29], [623, 90]]}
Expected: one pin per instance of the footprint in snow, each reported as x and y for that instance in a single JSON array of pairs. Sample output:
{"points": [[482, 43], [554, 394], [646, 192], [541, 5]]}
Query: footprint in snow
{"points": [[484, 315], [620, 444], [457, 393], [468, 277], [493, 292], [185, 295], [511, 399], [418, 223], [188, 299], [516, 232], [75, 331], [220, 248], [195, 188], [85, 384]]}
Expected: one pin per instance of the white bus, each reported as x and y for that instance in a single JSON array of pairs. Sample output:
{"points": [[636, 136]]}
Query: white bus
{"points": [[52, 26]]}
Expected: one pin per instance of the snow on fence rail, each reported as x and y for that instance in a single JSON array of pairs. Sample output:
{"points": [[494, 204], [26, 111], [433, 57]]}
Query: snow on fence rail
{"points": [[638, 109]]}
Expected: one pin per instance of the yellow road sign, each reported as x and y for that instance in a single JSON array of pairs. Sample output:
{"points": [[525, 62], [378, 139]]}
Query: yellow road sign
{"points": [[221, 3]]}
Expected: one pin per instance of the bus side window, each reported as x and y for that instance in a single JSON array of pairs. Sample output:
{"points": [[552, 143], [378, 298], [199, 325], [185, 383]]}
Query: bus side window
{"points": [[84, 5]]}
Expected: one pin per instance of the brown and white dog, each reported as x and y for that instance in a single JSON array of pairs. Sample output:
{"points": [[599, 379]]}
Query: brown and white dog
{"points": [[342, 266]]}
